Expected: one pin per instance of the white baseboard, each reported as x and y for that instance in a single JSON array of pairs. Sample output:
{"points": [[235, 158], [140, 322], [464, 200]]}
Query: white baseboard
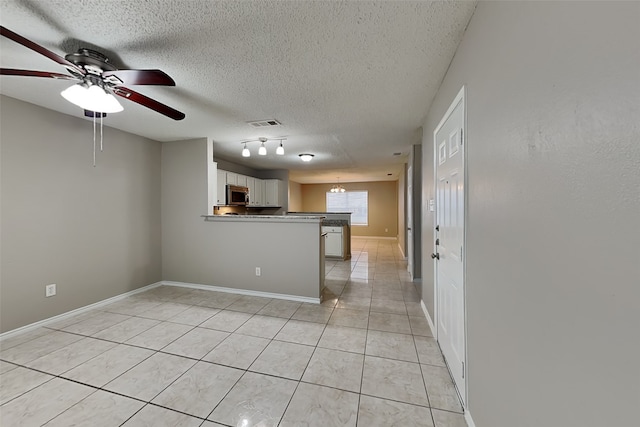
{"points": [[401, 251], [467, 414], [107, 301], [468, 419], [242, 292], [429, 320], [80, 310]]}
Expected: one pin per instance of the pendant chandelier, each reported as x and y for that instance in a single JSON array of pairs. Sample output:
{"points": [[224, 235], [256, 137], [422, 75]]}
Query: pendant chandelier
{"points": [[337, 188], [262, 150]]}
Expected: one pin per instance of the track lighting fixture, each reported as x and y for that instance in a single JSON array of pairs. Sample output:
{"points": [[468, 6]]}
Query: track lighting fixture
{"points": [[262, 150]]}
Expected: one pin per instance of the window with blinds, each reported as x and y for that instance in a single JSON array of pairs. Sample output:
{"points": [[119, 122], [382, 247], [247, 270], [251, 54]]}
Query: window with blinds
{"points": [[355, 202]]}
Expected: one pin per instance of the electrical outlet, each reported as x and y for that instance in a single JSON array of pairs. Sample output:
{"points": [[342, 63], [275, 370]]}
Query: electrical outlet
{"points": [[258, 271], [50, 290], [386, 230]]}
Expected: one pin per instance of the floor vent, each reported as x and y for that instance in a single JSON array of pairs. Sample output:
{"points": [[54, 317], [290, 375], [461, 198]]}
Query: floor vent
{"points": [[264, 123]]}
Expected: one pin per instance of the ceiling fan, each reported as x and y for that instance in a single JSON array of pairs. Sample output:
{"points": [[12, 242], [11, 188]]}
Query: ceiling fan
{"points": [[97, 80]]}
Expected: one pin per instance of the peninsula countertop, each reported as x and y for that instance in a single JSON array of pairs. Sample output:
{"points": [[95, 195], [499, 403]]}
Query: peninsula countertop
{"points": [[264, 218]]}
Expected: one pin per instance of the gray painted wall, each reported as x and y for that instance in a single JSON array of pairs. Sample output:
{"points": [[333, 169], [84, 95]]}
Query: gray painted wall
{"points": [[402, 210], [553, 233], [416, 160], [226, 254], [428, 221], [95, 232]]}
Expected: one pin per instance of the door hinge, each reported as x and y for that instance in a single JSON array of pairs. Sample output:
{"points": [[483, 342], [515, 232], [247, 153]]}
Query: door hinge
{"points": [[460, 253], [461, 136], [462, 369]]}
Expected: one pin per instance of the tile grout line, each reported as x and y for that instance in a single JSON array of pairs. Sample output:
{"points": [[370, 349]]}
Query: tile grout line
{"points": [[344, 284]]}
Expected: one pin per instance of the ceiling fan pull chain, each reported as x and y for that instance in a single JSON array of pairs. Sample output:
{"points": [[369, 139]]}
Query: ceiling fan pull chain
{"points": [[101, 115], [94, 140]]}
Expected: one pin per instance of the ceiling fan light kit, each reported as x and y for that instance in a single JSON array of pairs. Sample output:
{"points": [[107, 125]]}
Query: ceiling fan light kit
{"points": [[306, 157], [97, 81], [92, 98]]}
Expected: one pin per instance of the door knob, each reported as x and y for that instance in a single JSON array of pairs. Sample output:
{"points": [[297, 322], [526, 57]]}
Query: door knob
{"points": [[435, 256]]}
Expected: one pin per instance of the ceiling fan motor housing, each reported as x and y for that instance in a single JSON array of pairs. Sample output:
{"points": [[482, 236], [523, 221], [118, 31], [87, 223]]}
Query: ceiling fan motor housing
{"points": [[92, 68], [90, 60]]}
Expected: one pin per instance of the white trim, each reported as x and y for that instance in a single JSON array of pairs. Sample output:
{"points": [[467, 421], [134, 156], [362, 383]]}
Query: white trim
{"points": [[80, 310], [468, 419], [242, 291], [460, 97], [452, 107], [429, 320], [107, 301], [467, 414], [401, 251]]}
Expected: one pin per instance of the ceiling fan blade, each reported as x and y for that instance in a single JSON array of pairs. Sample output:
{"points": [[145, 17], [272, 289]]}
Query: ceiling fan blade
{"points": [[41, 50], [32, 73], [140, 77], [148, 102]]}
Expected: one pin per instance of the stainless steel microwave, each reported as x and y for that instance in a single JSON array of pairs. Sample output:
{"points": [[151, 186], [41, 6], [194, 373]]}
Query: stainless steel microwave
{"points": [[237, 196]]}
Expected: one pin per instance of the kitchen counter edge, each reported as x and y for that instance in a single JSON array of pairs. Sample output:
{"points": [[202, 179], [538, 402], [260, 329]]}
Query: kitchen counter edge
{"points": [[263, 218]]}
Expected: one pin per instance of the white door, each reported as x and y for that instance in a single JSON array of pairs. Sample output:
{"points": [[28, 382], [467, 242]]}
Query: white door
{"points": [[449, 246], [409, 198]]}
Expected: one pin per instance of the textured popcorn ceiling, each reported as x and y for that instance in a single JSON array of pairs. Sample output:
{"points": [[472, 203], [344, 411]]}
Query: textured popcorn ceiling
{"points": [[351, 82]]}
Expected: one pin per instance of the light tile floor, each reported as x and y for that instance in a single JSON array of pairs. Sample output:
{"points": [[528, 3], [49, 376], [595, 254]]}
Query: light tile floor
{"points": [[175, 356]]}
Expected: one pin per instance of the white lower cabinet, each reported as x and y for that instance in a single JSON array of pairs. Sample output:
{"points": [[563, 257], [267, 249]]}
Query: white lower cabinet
{"points": [[333, 243]]}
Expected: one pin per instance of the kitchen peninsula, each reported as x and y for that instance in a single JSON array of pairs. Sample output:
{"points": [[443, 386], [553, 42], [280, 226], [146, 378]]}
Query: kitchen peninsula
{"points": [[276, 255], [273, 256]]}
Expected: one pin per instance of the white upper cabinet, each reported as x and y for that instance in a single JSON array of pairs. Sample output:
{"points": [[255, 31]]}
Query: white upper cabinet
{"points": [[212, 184], [260, 196], [255, 195], [262, 192], [272, 192], [221, 197], [241, 180], [232, 178]]}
